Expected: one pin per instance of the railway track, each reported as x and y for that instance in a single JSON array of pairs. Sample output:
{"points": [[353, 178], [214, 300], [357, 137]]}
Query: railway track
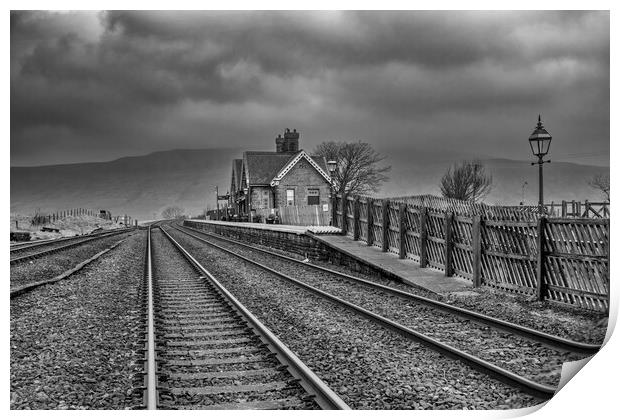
{"points": [[204, 350], [24, 288], [434, 323], [18, 247], [553, 341], [35, 251]]}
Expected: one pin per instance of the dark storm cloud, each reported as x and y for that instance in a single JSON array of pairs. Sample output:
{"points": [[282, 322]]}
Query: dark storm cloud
{"points": [[129, 82]]}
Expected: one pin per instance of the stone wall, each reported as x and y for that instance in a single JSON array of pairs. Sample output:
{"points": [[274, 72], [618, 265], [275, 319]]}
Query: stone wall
{"points": [[296, 243], [306, 245]]}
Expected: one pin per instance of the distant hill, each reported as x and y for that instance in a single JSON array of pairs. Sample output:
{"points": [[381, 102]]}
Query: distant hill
{"points": [[140, 186], [143, 186], [419, 173]]}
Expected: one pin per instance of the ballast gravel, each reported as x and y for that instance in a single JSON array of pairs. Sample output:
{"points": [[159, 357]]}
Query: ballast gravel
{"points": [[49, 266], [368, 366], [73, 343], [509, 351]]}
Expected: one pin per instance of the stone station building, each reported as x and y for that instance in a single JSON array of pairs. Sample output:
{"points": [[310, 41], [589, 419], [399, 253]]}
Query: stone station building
{"points": [[263, 181]]}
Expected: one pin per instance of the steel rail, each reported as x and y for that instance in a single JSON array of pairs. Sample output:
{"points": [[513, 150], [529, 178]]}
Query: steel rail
{"points": [[151, 378], [326, 398], [550, 340], [527, 385], [43, 242], [34, 256], [18, 291]]}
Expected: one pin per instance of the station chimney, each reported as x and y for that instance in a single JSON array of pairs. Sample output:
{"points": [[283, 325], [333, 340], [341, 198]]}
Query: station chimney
{"points": [[280, 144]]}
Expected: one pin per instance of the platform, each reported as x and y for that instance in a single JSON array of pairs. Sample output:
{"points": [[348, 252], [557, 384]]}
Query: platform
{"points": [[407, 270], [386, 263], [317, 230]]}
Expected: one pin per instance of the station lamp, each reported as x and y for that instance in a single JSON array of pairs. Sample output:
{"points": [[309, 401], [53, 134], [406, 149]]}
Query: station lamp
{"points": [[540, 140]]}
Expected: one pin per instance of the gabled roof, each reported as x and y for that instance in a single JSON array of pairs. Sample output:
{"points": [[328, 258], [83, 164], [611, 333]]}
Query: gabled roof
{"points": [[237, 164], [314, 161], [262, 167]]}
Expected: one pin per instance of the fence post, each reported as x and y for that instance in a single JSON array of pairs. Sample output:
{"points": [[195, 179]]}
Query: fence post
{"points": [[448, 243], [541, 289], [334, 210], [587, 206], [356, 218], [423, 237], [402, 219], [476, 250], [369, 208], [343, 214], [344, 226], [563, 208], [384, 224]]}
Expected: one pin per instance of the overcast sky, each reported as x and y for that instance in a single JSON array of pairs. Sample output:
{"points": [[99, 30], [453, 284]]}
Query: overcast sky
{"points": [[94, 86]]}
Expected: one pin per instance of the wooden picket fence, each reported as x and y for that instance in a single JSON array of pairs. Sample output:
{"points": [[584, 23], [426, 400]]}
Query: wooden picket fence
{"points": [[41, 219], [312, 215], [578, 209], [560, 259]]}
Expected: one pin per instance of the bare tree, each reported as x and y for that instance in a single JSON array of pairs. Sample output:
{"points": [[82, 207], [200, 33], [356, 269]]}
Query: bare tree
{"points": [[466, 181], [600, 182], [172, 212], [359, 169]]}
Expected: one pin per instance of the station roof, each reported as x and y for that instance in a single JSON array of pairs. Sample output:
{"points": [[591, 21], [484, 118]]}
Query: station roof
{"points": [[263, 167]]}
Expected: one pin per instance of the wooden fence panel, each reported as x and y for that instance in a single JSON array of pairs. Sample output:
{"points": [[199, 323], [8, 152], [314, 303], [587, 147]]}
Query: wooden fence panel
{"points": [[462, 252], [508, 259], [413, 230], [363, 220], [349, 216], [377, 226], [577, 262], [338, 211], [393, 228], [436, 240]]}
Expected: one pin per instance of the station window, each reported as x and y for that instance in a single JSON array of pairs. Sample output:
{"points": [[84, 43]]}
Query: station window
{"points": [[313, 196], [290, 197]]}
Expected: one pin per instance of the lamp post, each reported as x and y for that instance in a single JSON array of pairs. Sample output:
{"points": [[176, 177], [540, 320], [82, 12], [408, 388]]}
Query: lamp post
{"points": [[331, 167], [540, 140], [217, 203], [246, 190]]}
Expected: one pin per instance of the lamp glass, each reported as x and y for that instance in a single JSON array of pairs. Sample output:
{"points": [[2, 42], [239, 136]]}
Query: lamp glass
{"points": [[540, 146]]}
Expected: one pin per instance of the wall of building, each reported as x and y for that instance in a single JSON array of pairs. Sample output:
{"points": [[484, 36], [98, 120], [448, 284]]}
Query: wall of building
{"points": [[301, 178], [262, 198]]}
